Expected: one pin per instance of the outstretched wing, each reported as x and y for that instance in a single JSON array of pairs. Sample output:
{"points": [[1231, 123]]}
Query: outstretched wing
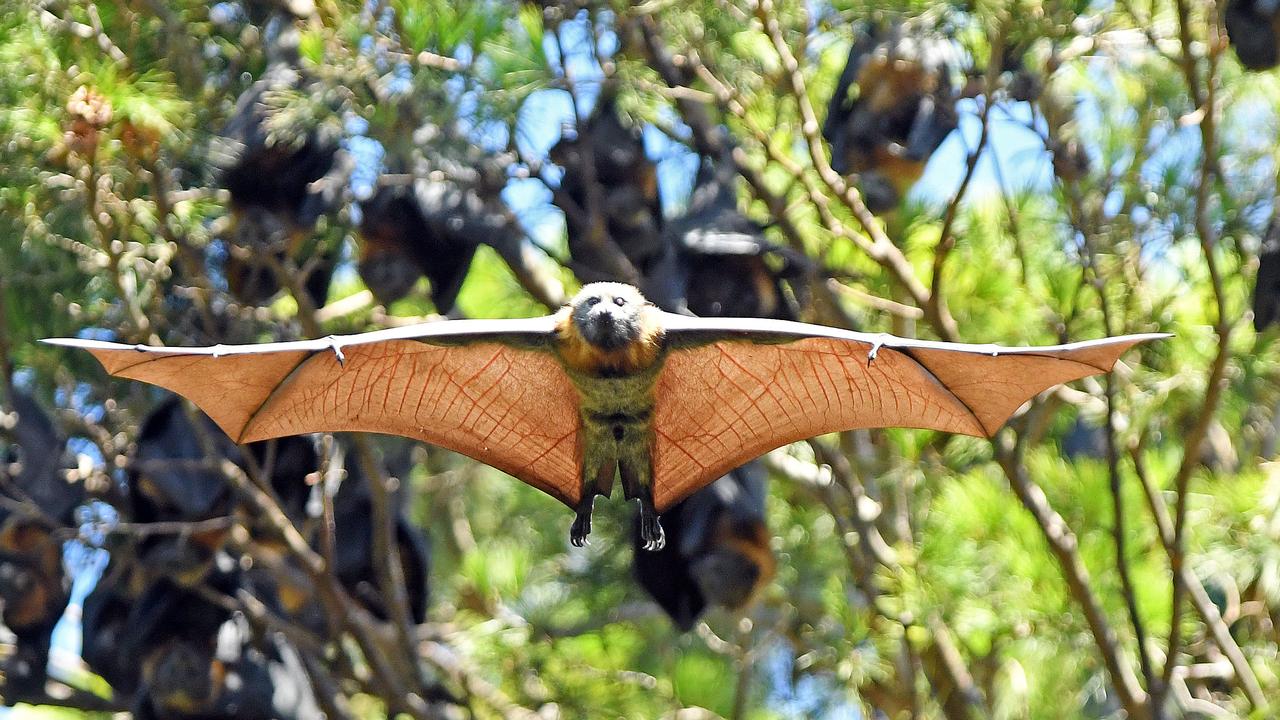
{"points": [[490, 389], [734, 388]]}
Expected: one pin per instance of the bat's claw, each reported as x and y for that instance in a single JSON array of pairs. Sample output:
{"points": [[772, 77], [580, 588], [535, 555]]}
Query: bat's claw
{"points": [[875, 350], [580, 529], [651, 532], [337, 351]]}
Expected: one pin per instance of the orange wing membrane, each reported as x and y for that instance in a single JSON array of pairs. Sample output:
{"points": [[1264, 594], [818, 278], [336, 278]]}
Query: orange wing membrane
{"points": [[729, 389], [734, 389], [491, 390]]}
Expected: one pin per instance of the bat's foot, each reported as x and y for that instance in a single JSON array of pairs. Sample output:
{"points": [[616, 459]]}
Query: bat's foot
{"points": [[581, 527], [651, 530]]}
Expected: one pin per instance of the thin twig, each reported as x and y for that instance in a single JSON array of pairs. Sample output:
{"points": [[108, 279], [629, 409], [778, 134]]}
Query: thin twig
{"points": [[1195, 590], [1216, 381], [881, 249], [1118, 534], [386, 551], [1062, 543], [94, 32], [1122, 559], [68, 697], [946, 238]]}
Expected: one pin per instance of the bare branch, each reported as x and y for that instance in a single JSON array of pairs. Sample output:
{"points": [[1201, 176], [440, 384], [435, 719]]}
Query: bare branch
{"points": [[1200, 600], [1063, 545], [1216, 382], [881, 249]]}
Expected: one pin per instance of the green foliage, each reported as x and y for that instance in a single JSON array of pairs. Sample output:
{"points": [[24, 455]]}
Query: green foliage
{"points": [[114, 229]]}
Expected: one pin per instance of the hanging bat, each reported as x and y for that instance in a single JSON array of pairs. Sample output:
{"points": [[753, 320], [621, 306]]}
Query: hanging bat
{"points": [[608, 386], [1266, 290], [717, 551], [893, 106], [1253, 28]]}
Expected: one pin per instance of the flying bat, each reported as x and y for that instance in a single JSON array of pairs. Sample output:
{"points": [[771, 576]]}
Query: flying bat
{"points": [[609, 386]]}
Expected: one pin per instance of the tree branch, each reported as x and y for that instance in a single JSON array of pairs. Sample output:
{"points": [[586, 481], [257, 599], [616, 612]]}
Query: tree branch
{"points": [[1192, 586], [1216, 382], [881, 249], [1063, 545]]}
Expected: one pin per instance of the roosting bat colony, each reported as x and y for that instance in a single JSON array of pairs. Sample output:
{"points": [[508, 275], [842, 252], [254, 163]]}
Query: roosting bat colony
{"points": [[677, 366], [676, 407]]}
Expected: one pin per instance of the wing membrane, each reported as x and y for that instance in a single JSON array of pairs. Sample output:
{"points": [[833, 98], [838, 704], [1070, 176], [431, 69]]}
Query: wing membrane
{"points": [[464, 385], [738, 388]]}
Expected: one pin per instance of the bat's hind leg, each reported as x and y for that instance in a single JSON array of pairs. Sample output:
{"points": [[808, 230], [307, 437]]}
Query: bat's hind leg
{"points": [[600, 484], [650, 527], [581, 526], [639, 486]]}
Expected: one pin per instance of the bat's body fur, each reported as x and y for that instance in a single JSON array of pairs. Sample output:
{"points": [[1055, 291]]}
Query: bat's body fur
{"points": [[611, 343]]}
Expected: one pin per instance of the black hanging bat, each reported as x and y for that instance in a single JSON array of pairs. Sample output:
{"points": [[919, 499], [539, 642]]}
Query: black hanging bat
{"points": [[1253, 27], [610, 385], [717, 551], [893, 106]]}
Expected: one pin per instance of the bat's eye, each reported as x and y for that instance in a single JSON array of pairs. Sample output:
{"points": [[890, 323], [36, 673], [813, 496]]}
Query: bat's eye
{"points": [[619, 301]]}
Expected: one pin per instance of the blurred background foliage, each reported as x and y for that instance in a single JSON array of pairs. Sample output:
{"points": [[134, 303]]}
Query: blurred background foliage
{"points": [[1008, 171]]}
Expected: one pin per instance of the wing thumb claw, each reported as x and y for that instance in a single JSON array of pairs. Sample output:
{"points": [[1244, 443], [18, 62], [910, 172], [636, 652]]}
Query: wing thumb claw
{"points": [[336, 347]]}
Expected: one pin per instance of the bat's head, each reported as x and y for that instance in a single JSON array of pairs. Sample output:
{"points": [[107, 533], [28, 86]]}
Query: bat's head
{"points": [[608, 315]]}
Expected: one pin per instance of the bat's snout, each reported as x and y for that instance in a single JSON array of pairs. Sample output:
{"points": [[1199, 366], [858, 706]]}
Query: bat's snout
{"points": [[608, 327], [602, 317]]}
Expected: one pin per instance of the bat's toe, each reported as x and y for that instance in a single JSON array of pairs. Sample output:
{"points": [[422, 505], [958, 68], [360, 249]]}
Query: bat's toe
{"points": [[580, 529], [651, 532]]}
